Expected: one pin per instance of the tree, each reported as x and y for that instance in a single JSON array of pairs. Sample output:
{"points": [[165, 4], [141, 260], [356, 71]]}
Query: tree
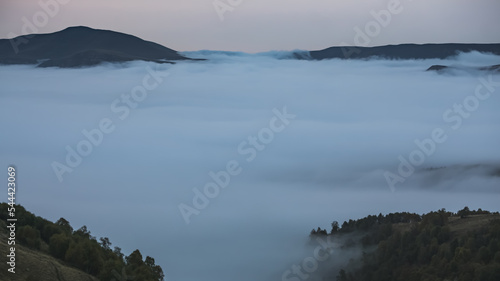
{"points": [[462, 255], [444, 234], [335, 227], [49, 230], [29, 236], [64, 224], [59, 244], [85, 255], [84, 232], [134, 260], [143, 270], [105, 243], [76, 255], [79, 249], [318, 231], [118, 252], [464, 212], [155, 269], [484, 255]]}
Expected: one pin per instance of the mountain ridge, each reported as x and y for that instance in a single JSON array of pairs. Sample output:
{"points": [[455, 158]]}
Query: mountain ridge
{"points": [[80, 46], [404, 51]]}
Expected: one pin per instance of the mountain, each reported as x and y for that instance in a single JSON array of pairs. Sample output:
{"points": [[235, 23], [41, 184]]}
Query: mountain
{"points": [[403, 51], [82, 46]]}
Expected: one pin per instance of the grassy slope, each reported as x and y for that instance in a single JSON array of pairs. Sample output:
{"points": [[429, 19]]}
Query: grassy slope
{"points": [[37, 266], [458, 226]]}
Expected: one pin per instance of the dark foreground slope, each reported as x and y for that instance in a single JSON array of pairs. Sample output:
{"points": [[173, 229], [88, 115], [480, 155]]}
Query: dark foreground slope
{"points": [[34, 265], [81, 46], [404, 51], [46, 251], [435, 246]]}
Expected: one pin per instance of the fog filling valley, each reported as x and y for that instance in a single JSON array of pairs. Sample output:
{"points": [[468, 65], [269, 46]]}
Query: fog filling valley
{"points": [[275, 147]]}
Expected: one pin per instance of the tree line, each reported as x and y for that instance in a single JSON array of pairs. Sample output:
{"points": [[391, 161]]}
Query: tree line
{"points": [[414, 247], [78, 248]]}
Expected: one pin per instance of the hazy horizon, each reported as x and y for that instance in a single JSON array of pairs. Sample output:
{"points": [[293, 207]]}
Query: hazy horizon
{"points": [[259, 26], [291, 49]]}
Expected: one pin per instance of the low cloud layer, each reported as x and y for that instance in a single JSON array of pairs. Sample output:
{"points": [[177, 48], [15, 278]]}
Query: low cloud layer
{"points": [[353, 120]]}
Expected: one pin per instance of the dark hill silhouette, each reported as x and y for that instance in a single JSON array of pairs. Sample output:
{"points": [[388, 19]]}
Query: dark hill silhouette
{"points": [[443, 68], [82, 46], [403, 51]]}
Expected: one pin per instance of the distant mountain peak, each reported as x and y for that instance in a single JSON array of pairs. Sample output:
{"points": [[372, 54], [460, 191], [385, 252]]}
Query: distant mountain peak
{"points": [[78, 27], [79, 46]]}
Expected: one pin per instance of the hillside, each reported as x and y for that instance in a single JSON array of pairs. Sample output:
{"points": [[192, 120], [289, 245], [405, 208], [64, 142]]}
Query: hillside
{"points": [[34, 265], [435, 246], [403, 51], [54, 251], [82, 46]]}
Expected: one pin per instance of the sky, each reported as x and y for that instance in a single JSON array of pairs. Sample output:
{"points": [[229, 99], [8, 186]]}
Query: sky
{"points": [[327, 133], [261, 25]]}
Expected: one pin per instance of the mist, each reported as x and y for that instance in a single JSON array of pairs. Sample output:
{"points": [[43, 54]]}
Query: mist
{"points": [[349, 124]]}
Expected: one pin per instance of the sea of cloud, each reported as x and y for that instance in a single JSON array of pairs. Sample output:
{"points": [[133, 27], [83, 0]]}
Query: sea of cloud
{"points": [[353, 122]]}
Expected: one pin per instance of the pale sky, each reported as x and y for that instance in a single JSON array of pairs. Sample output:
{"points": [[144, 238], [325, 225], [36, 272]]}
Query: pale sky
{"points": [[263, 25]]}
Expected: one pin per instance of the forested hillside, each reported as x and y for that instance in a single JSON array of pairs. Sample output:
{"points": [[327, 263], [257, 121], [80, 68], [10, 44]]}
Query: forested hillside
{"points": [[73, 249], [462, 246]]}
